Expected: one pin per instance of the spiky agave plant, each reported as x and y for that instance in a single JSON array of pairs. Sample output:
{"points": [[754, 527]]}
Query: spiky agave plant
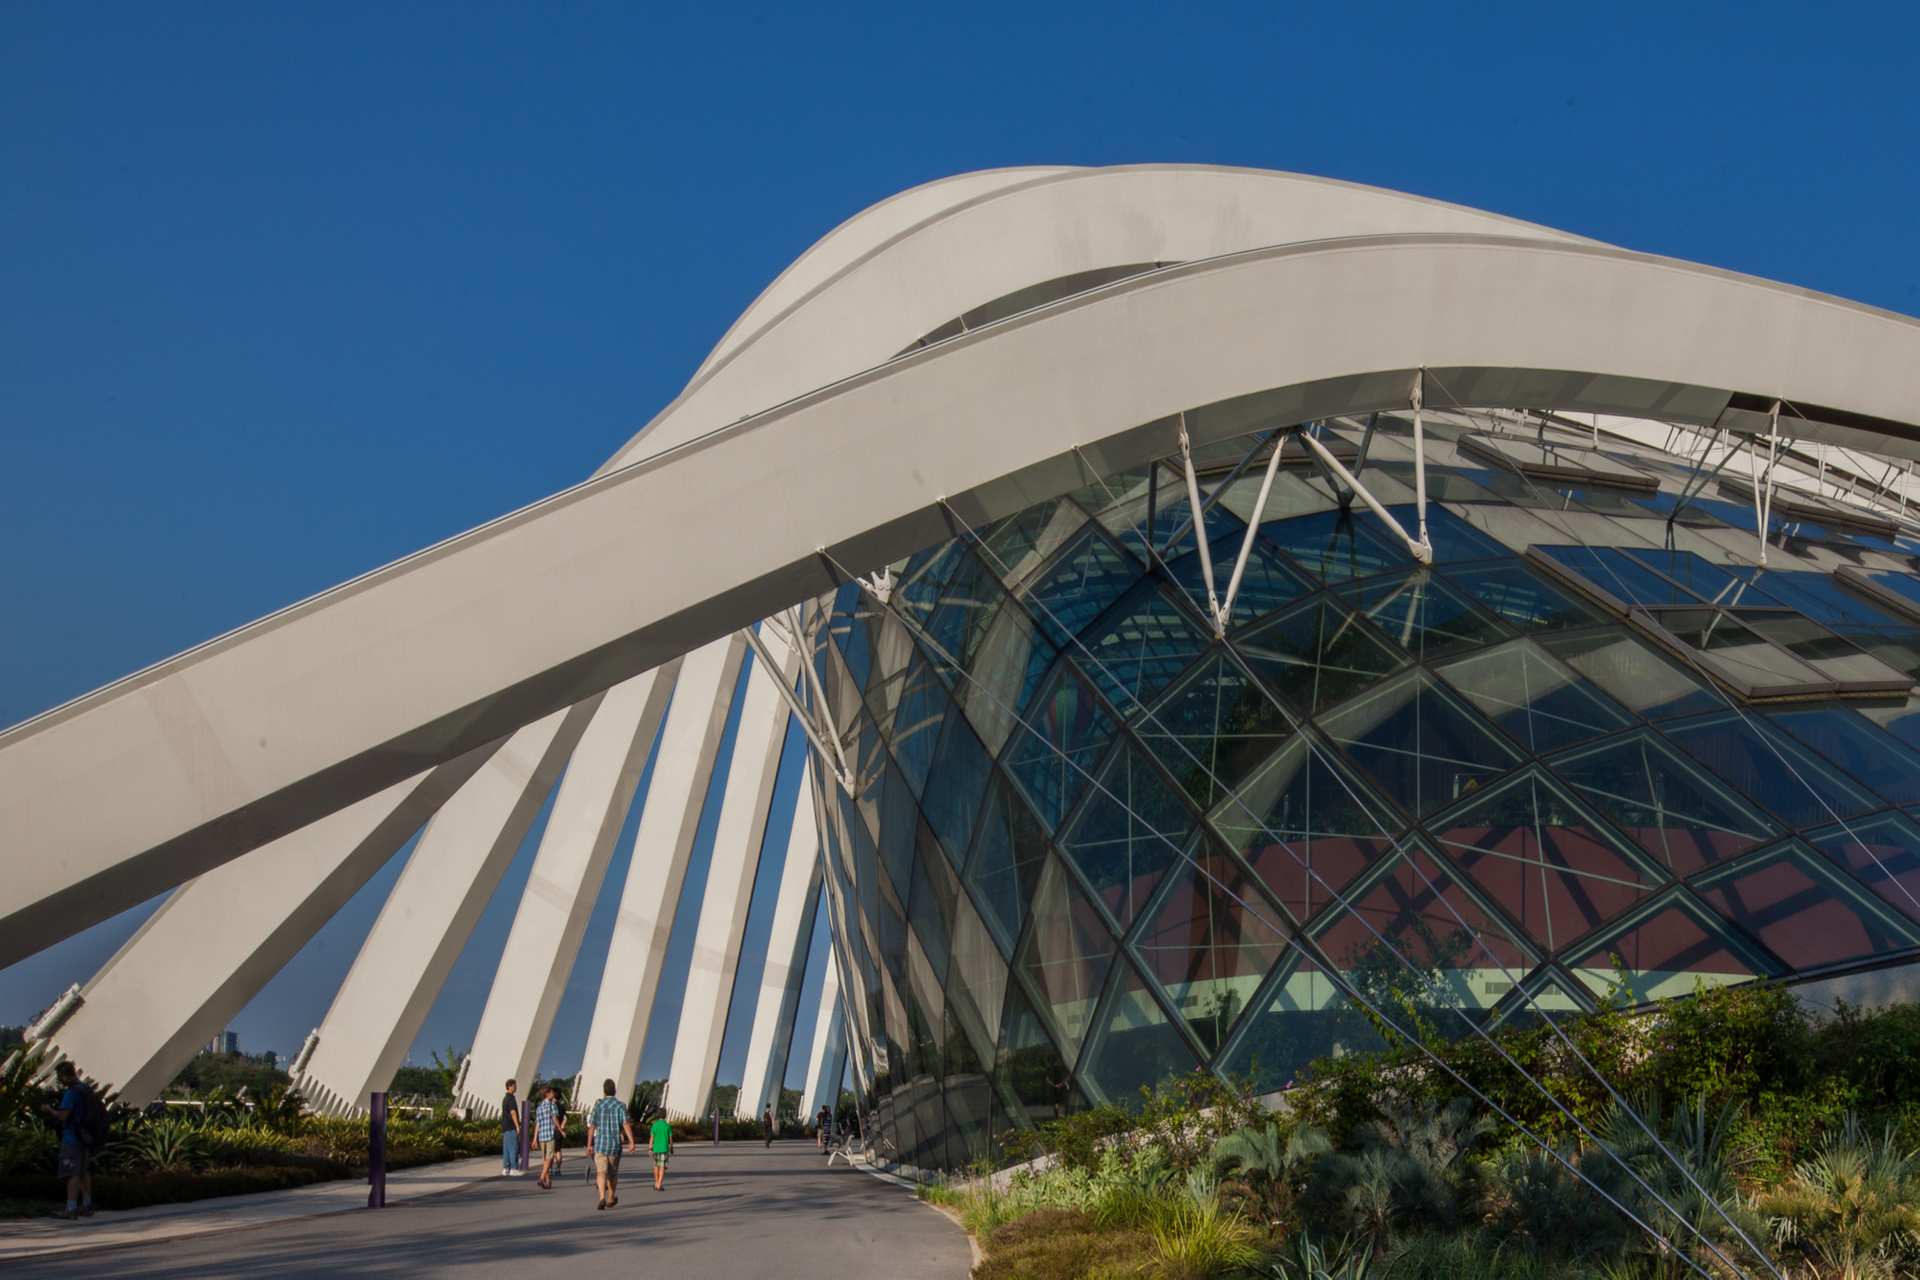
{"points": [[1853, 1207]]}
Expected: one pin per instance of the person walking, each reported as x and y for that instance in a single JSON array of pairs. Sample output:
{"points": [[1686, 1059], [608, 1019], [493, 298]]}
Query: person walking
{"points": [[662, 1135], [820, 1129], [605, 1125], [510, 1133], [549, 1124], [766, 1124], [80, 1131]]}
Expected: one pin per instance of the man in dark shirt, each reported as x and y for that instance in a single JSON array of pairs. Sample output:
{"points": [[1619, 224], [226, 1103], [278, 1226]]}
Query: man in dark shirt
{"points": [[510, 1133], [75, 1158]]}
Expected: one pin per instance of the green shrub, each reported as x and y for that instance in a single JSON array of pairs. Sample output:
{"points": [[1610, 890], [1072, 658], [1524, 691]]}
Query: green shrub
{"points": [[1199, 1238], [28, 1148], [1472, 1257], [1061, 1244]]}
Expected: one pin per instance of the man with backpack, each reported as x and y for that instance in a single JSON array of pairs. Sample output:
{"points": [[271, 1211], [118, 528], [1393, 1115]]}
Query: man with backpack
{"points": [[83, 1131]]}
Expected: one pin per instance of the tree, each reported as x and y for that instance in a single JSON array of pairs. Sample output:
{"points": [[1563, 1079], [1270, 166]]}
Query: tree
{"points": [[420, 1082], [448, 1068]]}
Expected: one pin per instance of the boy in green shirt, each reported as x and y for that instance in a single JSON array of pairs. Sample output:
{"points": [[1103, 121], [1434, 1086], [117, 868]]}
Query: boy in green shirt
{"points": [[662, 1134]]}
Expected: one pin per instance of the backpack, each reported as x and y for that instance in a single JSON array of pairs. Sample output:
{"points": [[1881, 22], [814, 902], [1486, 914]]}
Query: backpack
{"points": [[92, 1120]]}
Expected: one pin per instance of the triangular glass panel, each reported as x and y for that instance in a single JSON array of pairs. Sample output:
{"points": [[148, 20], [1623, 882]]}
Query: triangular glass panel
{"points": [[1670, 948], [1066, 954], [1136, 1044], [1139, 648], [1858, 748], [1317, 655], [1881, 852], [1423, 749], [1639, 679], [1546, 861], [1423, 615], [1305, 827], [1006, 862], [1081, 584], [898, 820], [1540, 704], [969, 1117], [1803, 910], [930, 909], [1682, 816], [1534, 999], [1031, 1076], [1301, 1017], [954, 787], [1335, 546], [1265, 585], [959, 624], [976, 982], [916, 725], [1018, 544], [1209, 943], [1417, 943], [1771, 770], [1129, 832], [1002, 674], [1068, 731], [1215, 727], [926, 577]]}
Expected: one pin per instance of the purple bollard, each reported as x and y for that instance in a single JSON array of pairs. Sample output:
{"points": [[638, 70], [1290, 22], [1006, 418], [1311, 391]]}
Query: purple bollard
{"points": [[526, 1134], [377, 1151]]}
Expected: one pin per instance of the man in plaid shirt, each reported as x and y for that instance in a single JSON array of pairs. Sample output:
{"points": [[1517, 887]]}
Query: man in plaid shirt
{"points": [[549, 1123], [605, 1123]]}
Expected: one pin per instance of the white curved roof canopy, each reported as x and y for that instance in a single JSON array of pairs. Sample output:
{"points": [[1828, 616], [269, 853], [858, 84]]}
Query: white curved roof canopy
{"points": [[147, 782]]}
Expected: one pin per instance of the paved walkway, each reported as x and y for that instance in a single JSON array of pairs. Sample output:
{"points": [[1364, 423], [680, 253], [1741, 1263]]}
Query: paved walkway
{"points": [[731, 1211]]}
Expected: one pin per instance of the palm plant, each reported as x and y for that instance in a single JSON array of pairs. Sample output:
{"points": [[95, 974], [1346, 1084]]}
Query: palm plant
{"points": [[1852, 1209], [164, 1146], [1305, 1258], [1268, 1166], [1411, 1169]]}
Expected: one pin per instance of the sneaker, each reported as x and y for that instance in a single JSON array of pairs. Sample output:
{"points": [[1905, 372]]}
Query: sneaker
{"points": [[86, 1211]]}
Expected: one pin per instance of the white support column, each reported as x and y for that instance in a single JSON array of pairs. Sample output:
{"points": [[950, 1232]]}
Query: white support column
{"points": [[431, 913], [220, 938], [588, 813], [661, 848], [739, 845], [779, 996], [829, 1029]]}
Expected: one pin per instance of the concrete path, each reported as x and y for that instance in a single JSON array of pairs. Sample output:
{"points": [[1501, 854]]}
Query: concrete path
{"points": [[738, 1210]]}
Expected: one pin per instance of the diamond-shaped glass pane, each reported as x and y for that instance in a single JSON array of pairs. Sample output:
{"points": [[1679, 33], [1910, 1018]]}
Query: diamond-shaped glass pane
{"points": [[1079, 586], [1137, 650], [1317, 655], [930, 908], [1265, 584], [1302, 1016], [1546, 861], [1212, 729], [1423, 616], [1130, 831], [1066, 954], [1033, 1079], [916, 725], [1209, 944], [954, 787], [1514, 593], [1634, 675], [1883, 853], [1540, 704], [1018, 544], [976, 980], [1002, 674], [1770, 769], [1052, 759], [1803, 910], [1305, 827], [1136, 1044], [1416, 944], [1337, 545], [1685, 818], [1005, 866], [962, 618], [1423, 750]]}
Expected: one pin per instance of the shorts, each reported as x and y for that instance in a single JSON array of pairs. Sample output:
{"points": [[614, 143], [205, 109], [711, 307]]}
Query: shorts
{"points": [[659, 1159], [550, 1148], [74, 1161], [606, 1163]]}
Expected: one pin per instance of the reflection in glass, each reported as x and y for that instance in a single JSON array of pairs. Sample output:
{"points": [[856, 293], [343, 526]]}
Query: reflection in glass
{"points": [[1881, 852], [1680, 815], [1052, 759], [1078, 587], [1006, 862], [1066, 954], [1137, 649], [1638, 678], [1423, 615], [1770, 770], [1214, 728], [1670, 949], [1317, 655], [1337, 545], [958, 780], [1514, 593], [1303, 1016], [1540, 704], [1803, 910], [1421, 748], [1129, 832], [1865, 754], [1136, 1044], [1209, 943], [1265, 585]]}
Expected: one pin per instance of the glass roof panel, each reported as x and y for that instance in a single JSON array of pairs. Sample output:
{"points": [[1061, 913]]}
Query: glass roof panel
{"points": [[1427, 618], [1337, 545], [1136, 1044], [1771, 770], [1264, 586], [1089, 575], [1066, 733], [1708, 581], [1867, 755], [1803, 910], [1738, 655], [1317, 654], [1615, 575], [1838, 659], [1881, 852], [1131, 830], [1215, 727], [1423, 749], [1643, 681], [1682, 816], [1139, 648], [1066, 954], [1510, 591], [1541, 704], [1671, 949], [1209, 944], [1302, 1015]]}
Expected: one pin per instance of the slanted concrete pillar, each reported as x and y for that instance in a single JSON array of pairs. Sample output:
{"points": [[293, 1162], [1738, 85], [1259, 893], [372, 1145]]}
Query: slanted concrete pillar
{"points": [[219, 939], [739, 848], [449, 878], [776, 1003], [658, 869], [588, 812], [829, 1032]]}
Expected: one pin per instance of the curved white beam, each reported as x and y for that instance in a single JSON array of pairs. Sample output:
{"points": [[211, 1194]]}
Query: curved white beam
{"points": [[588, 812], [1007, 236], [431, 912], [776, 1003], [829, 1040], [173, 771], [739, 847], [669, 824], [211, 947]]}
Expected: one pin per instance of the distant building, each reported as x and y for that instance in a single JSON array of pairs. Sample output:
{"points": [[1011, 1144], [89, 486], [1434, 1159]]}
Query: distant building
{"points": [[225, 1042]]}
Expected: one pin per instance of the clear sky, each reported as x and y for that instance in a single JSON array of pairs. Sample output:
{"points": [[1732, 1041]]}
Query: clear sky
{"points": [[289, 291]]}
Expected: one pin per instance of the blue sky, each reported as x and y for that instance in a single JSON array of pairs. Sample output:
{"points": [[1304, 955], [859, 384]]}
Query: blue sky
{"points": [[289, 291]]}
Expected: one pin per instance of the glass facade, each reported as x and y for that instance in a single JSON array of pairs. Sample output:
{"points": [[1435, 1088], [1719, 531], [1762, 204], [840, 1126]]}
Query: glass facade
{"points": [[1091, 844]]}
